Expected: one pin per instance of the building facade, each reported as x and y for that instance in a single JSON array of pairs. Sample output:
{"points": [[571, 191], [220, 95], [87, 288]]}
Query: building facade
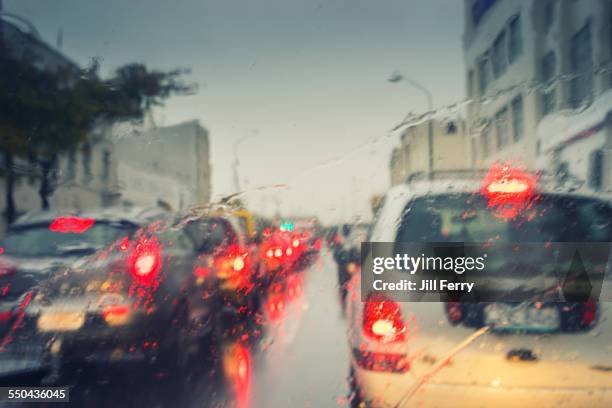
{"points": [[85, 177], [527, 60], [412, 154], [167, 166]]}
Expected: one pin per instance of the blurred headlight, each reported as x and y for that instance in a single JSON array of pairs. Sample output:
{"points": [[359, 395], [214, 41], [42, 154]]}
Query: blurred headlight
{"points": [[60, 321]]}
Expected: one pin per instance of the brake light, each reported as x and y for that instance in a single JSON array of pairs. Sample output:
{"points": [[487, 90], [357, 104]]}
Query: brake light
{"points": [[145, 260], [116, 315], [382, 320], [508, 189], [75, 225], [144, 264], [115, 311], [5, 316], [124, 245], [238, 264], [589, 313], [505, 179], [454, 311]]}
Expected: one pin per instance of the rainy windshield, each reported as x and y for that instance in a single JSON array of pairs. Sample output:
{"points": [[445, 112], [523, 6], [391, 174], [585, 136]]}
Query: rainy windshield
{"points": [[240, 159]]}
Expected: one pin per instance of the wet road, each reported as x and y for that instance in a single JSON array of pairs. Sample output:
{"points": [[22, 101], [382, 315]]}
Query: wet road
{"points": [[305, 359], [302, 361]]}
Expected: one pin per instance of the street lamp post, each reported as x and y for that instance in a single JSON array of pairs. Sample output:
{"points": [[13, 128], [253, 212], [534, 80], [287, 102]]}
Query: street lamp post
{"points": [[397, 77], [236, 162]]}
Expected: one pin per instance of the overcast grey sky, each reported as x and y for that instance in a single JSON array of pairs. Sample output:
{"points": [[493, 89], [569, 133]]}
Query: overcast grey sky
{"points": [[306, 78]]}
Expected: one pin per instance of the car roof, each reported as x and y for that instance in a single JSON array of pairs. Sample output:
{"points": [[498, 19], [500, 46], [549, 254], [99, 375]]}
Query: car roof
{"points": [[469, 184], [134, 215], [197, 214]]}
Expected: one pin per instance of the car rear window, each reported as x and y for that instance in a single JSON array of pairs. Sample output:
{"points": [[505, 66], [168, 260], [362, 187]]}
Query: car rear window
{"points": [[39, 240], [467, 218]]}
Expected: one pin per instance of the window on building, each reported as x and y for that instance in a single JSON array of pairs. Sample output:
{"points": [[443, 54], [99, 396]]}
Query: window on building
{"points": [[71, 165], [548, 68], [549, 14], [517, 118], [515, 43], [451, 127], [485, 142], [480, 8], [473, 152], [470, 83], [562, 172], [87, 175], [106, 166], [483, 76], [596, 171], [498, 55], [501, 128], [581, 62]]}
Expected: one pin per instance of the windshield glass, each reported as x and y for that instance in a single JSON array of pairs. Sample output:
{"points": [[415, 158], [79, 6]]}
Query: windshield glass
{"points": [[257, 147], [40, 241]]}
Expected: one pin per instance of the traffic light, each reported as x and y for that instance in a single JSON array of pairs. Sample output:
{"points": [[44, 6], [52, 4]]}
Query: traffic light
{"points": [[286, 226]]}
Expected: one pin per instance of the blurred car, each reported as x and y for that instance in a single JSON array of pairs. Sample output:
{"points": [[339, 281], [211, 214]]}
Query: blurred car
{"points": [[332, 237], [348, 257], [225, 255], [135, 302], [41, 242], [440, 353], [276, 249]]}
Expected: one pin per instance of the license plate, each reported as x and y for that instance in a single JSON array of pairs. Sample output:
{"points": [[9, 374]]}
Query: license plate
{"points": [[522, 318], [60, 321]]}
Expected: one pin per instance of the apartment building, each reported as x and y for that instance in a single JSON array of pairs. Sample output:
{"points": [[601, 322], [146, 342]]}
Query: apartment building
{"points": [[528, 61]]}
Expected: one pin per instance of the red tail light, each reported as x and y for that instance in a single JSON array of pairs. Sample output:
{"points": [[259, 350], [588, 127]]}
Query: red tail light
{"points": [[238, 263], [145, 260], [75, 225], [124, 245], [589, 313], [508, 190], [115, 311], [454, 311], [382, 320]]}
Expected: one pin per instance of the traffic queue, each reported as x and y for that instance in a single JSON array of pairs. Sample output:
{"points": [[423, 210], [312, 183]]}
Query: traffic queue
{"points": [[125, 287]]}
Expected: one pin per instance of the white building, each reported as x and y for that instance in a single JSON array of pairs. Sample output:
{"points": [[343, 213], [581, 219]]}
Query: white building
{"points": [[412, 154], [528, 59], [167, 166]]}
